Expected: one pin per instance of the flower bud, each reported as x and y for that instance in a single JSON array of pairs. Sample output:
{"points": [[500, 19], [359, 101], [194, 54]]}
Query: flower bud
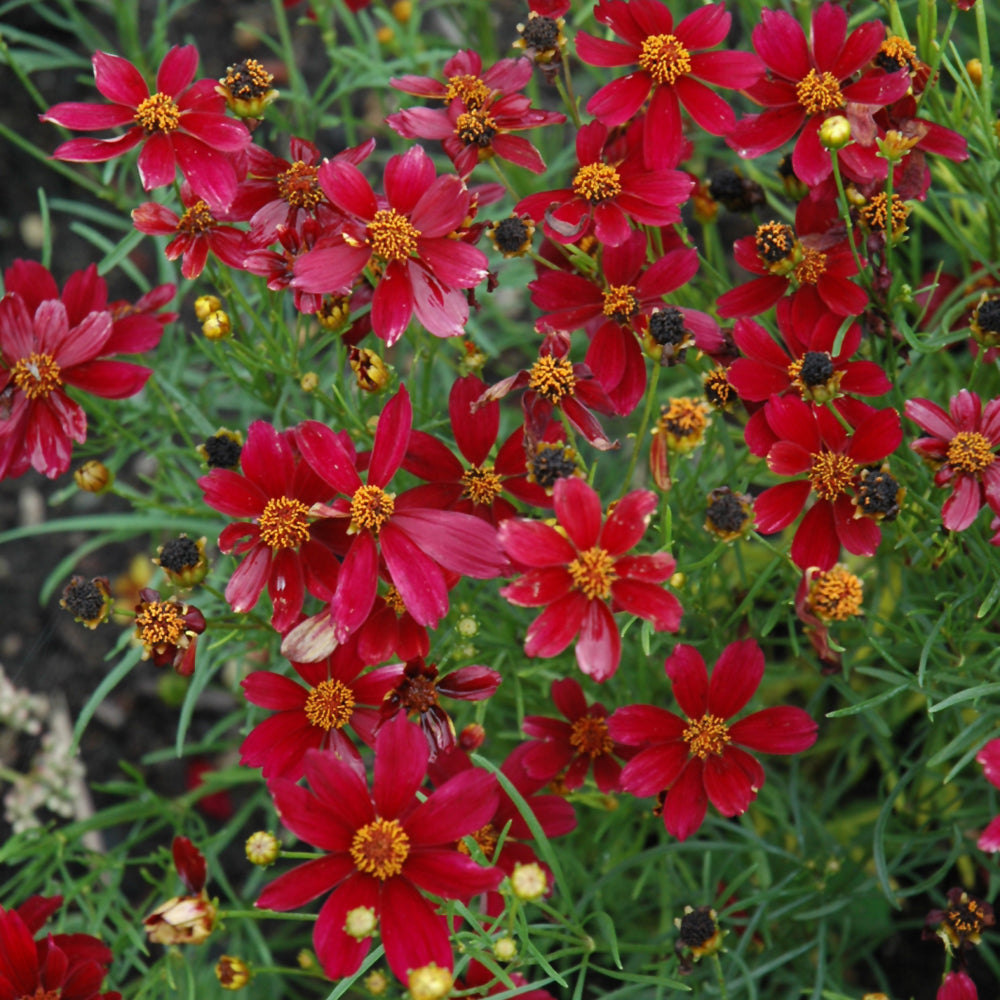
{"points": [[181, 920], [974, 68], [529, 882], [471, 737], [94, 477], [505, 949], [232, 973], [402, 11], [205, 305], [430, 982], [309, 382], [262, 848], [369, 369], [183, 561], [217, 325], [835, 132], [376, 982], [360, 923]]}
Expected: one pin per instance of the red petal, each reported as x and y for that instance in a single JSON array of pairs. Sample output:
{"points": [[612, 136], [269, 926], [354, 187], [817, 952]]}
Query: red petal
{"points": [[638, 724], [555, 628], [391, 437], [340, 954], [989, 757], [816, 541], [961, 508], [356, 587], [931, 418], [460, 542], [118, 80], [392, 303], [538, 587], [778, 506], [401, 755], [655, 769], [532, 543], [616, 102], [462, 805], [177, 69], [726, 783], [475, 432], [305, 882], [347, 188], [578, 508], [413, 934], [654, 604], [783, 729], [686, 803], [689, 677], [599, 646], [248, 580], [627, 523], [735, 677]]}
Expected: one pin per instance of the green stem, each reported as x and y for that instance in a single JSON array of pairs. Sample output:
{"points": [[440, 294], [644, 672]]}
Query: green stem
{"points": [[719, 976], [643, 425]]}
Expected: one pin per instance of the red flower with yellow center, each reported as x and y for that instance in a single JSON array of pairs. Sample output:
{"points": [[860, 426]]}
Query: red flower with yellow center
{"points": [[383, 849], [583, 570], [699, 757]]}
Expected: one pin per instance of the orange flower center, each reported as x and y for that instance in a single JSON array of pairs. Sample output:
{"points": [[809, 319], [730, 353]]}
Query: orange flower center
{"points": [[830, 474], [811, 267], [371, 507], [664, 58], [552, 378], [706, 735], [41, 994], [158, 113], [819, 92], [379, 848], [597, 182], [159, 622], [971, 452], [835, 595], [593, 572], [36, 375], [299, 187], [284, 523], [197, 219], [394, 601], [330, 705], [590, 736], [469, 89], [620, 302], [392, 236], [481, 484], [475, 128], [486, 837]]}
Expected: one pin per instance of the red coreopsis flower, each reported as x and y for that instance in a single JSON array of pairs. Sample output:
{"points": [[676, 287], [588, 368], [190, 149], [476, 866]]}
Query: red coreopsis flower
{"points": [[181, 124], [608, 194], [196, 234], [808, 80], [278, 266], [962, 447], [477, 488], [814, 447], [43, 354], [583, 570], [673, 67], [417, 543], [567, 749], [67, 966], [989, 757], [168, 631], [957, 985], [338, 696], [699, 757], [383, 850], [283, 549], [406, 237]]}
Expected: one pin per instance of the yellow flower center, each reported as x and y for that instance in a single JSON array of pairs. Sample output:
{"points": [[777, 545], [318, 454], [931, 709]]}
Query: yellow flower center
{"points": [[394, 601], [552, 378], [664, 58], [486, 837], [379, 848], [775, 245], [830, 474], [284, 523], [36, 375], [593, 572], [590, 735], [620, 302], [197, 219], [597, 182], [475, 128], [159, 622], [971, 452], [835, 595], [819, 92], [874, 213], [392, 236], [330, 705], [897, 50], [683, 423], [469, 89], [481, 484], [298, 185], [706, 735], [371, 507], [158, 113], [812, 266]]}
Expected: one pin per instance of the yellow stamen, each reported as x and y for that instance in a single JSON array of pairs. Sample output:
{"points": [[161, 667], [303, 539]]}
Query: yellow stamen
{"points": [[37, 375], [481, 484], [330, 705], [971, 452], [664, 58], [819, 92], [707, 735], [284, 523], [158, 113], [597, 182], [552, 378], [589, 735], [392, 236], [380, 848], [371, 507], [831, 474], [593, 572], [299, 186]]}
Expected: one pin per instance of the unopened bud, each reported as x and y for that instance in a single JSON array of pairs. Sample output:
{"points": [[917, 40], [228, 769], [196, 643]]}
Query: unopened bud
{"points": [[94, 477], [529, 881], [309, 382], [232, 973], [430, 982], [262, 848], [402, 11], [835, 132], [505, 949], [217, 325], [975, 70], [369, 369], [360, 923]]}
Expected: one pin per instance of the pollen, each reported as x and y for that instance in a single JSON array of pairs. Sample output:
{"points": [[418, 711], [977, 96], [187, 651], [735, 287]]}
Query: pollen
{"points": [[970, 452], [37, 375], [818, 92], [371, 507], [197, 219], [392, 236], [158, 113], [719, 390], [835, 595], [814, 376], [590, 736], [330, 705], [159, 622], [707, 735], [248, 80], [830, 474], [380, 848], [299, 187], [470, 90], [811, 268], [593, 572], [597, 182], [620, 302], [874, 214], [664, 58], [683, 423], [896, 53], [394, 601], [486, 837], [284, 523], [475, 128], [552, 378], [481, 484], [774, 242]]}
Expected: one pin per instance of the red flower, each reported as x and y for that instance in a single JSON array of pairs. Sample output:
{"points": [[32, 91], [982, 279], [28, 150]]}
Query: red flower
{"points": [[672, 66], [383, 850], [282, 547], [168, 631], [41, 354], [196, 234], [814, 447], [957, 985], [568, 749], [417, 543], [699, 758], [989, 757], [962, 446], [315, 716], [68, 966], [578, 570], [408, 238], [390, 632], [181, 124], [810, 80]]}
